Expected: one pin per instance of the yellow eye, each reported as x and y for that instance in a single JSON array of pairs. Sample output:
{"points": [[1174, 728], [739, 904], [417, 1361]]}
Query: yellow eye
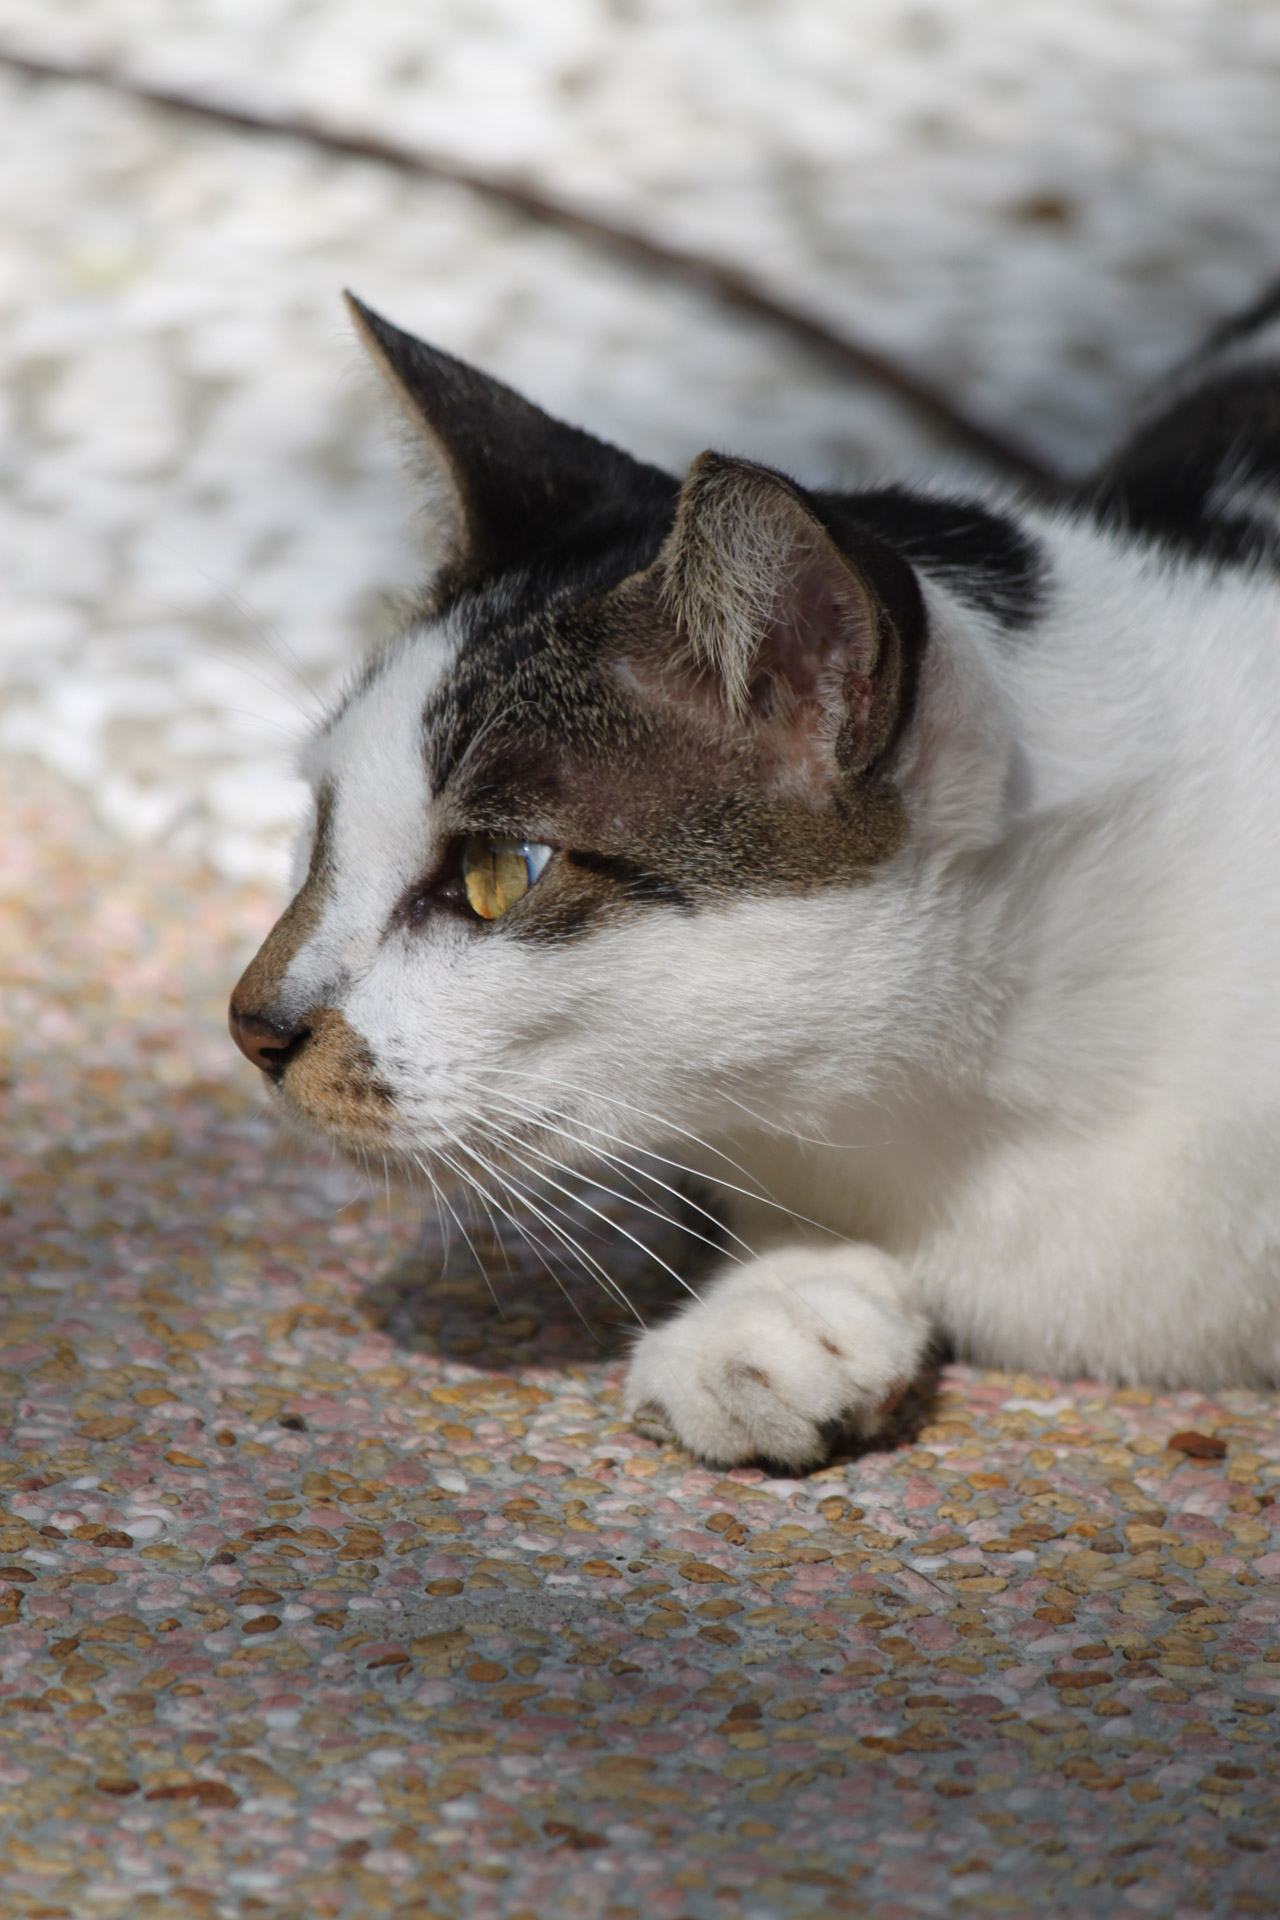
{"points": [[496, 873]]}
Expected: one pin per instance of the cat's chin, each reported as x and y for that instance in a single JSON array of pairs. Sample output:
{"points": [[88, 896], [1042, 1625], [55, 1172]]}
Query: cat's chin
{"points": [[363, 1145], [381, 1154]]}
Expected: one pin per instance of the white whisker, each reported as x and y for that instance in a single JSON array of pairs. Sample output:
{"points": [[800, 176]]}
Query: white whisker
{"points": [[578, 1252], [614, 1225], [760, 1195], [632, 1200]]}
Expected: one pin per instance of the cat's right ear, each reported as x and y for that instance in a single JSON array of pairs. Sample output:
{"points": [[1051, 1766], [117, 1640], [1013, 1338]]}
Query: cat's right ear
{"points": [[514, 487]]}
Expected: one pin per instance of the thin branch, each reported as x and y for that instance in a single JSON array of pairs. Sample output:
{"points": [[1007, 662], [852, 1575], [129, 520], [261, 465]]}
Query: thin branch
{"points": [[725, 283]]}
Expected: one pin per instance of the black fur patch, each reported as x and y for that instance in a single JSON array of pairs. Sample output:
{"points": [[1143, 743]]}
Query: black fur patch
{"points": [[1174, 479], [982, 557]]}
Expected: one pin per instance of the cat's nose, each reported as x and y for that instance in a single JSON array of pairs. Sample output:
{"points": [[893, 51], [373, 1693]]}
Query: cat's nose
{"points": [[269, 1044]]}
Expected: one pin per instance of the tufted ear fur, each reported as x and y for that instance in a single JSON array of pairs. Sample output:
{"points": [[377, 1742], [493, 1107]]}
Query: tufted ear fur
{"points": [[516, 486], [818, 632]]}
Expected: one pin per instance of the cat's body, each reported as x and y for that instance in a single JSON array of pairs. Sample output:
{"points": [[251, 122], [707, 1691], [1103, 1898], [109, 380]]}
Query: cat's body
{"points": [[910, 862]]}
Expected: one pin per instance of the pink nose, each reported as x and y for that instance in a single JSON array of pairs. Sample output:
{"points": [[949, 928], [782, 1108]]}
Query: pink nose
{"points": [[269, 1045]]}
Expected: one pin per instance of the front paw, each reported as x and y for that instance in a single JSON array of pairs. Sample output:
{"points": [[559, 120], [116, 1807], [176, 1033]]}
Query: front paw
{"points": [[781, 1358]]}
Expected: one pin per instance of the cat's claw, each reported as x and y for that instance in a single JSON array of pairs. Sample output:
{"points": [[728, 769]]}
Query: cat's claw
{"points": [[780, 1358], [651, 1422]]}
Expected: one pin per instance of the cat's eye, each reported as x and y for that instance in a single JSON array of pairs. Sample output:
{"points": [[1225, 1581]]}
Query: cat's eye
{"points": [[497, 873]]}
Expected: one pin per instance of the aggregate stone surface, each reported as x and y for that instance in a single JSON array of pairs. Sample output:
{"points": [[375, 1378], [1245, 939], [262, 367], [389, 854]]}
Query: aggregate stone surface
{"points": [[335, 1585]]}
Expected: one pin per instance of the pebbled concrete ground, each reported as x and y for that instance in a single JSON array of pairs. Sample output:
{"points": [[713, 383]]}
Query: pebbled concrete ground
{"points": [[334, 1584]]}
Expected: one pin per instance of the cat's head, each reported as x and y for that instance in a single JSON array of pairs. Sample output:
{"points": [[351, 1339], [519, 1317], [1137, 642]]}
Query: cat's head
{"points": [[605, 835]]}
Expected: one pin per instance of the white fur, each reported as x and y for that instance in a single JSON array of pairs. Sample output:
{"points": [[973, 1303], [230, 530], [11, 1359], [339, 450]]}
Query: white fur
{"points": [[1025, 1080]]}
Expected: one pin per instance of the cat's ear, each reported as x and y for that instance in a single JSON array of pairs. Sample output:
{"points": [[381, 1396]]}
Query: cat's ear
{"points": [[794, 627], [513, 484]]}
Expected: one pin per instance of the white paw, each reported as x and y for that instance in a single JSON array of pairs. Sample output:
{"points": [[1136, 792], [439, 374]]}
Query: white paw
{"points": [[781, 1356]]}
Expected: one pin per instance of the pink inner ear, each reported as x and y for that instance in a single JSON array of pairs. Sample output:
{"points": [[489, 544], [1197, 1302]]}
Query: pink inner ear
{"points": [[823, 630]]}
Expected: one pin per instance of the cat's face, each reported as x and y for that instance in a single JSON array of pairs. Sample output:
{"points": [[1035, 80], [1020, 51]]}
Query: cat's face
{"points": [[585, 835]]}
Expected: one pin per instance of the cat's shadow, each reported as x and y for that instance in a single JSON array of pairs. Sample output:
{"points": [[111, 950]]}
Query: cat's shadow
{"points": [[570, 1282]]}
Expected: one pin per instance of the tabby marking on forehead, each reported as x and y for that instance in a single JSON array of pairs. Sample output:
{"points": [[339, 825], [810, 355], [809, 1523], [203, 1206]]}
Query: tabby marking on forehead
{"points": [[655, 799]]}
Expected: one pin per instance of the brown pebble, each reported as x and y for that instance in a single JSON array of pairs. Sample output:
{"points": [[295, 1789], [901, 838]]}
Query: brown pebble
{"points": [[257, 1597], [330, 1617], [574, 1838], [442, 1588], [1200, 1446], [703, 1573], [1091, 1677], [206, 1793], [486, 1670], [262, 1623], [117, 1783]]}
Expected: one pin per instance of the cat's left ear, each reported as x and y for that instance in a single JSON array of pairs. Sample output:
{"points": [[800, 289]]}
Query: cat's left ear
{"points": [[512, 487], [793, 624]]}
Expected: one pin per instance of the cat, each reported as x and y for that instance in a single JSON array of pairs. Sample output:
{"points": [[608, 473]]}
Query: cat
{"points": [[903, 865]]}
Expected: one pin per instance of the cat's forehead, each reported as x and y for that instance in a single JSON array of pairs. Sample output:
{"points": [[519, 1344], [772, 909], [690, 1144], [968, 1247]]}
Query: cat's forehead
{"points": [[460, 703], [368, 757]]}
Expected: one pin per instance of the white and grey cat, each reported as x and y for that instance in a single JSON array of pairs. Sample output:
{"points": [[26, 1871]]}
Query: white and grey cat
{"points": [[912, 861]]}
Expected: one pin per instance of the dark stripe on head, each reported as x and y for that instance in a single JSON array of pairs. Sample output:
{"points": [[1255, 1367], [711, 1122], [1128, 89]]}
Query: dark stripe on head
{"points": [[983, 558]]}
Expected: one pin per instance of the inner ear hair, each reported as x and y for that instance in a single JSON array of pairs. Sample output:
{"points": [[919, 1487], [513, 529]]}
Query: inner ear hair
{"points": [[724, 565], [760, 592]]}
